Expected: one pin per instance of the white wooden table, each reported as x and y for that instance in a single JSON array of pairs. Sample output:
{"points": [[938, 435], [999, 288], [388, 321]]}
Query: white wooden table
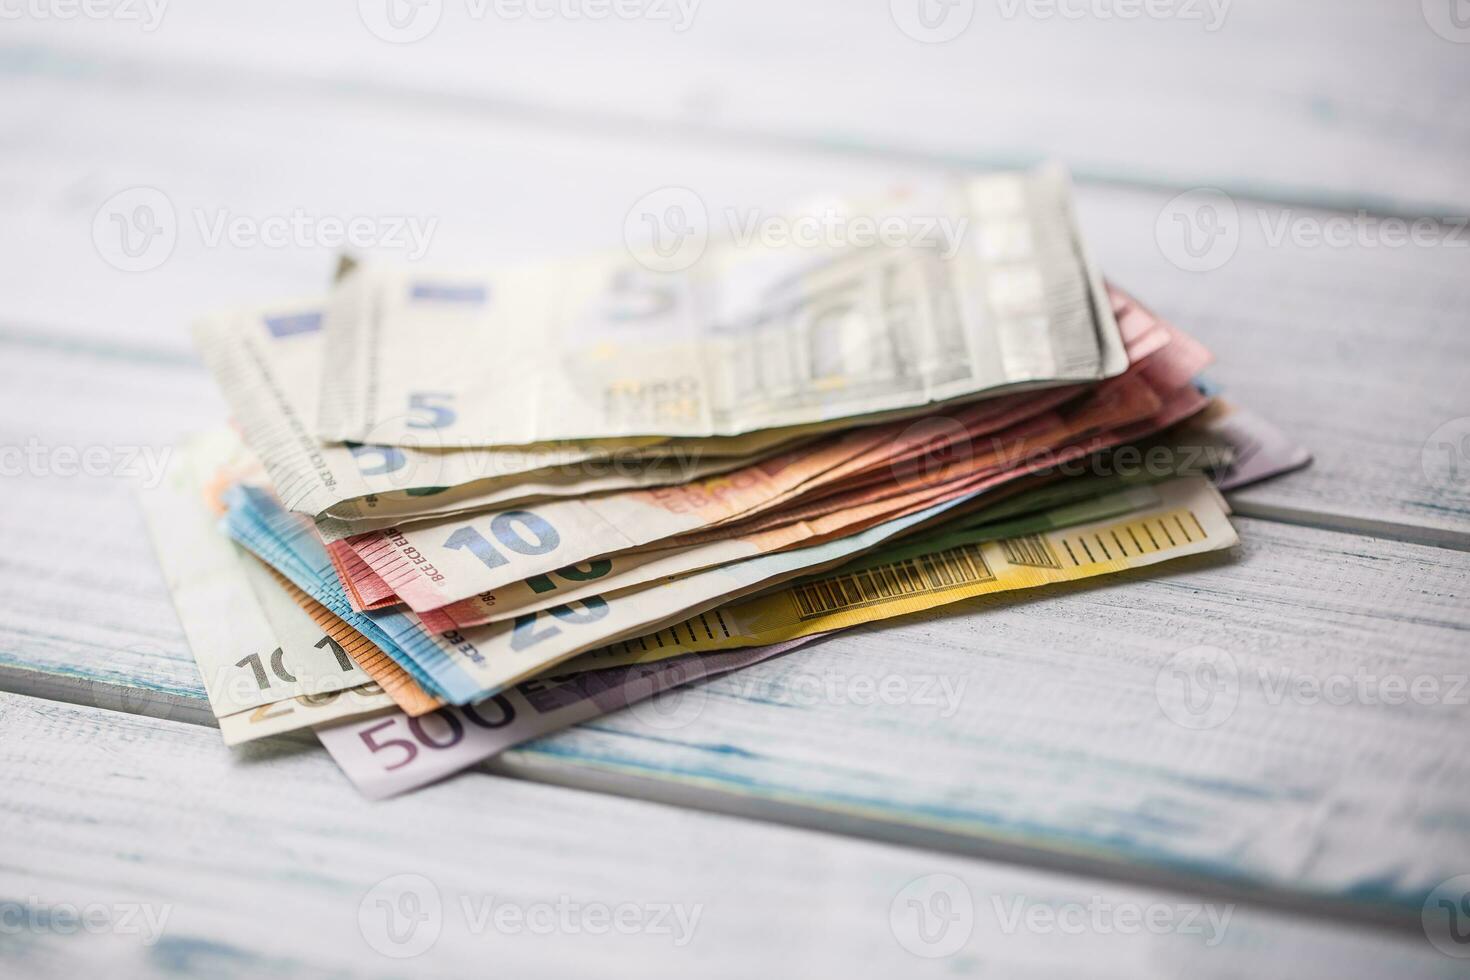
{"points": [[806, 831]]}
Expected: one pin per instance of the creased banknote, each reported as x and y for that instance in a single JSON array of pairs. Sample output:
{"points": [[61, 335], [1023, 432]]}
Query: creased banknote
{"points": [[252, 644], [392, 679], [267, 362], [898, 490], [752, 336]]}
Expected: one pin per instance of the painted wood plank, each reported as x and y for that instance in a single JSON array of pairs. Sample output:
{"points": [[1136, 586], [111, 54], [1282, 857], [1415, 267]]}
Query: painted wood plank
{"points": [[1357, 350], [235, 866], [1355, 103]]}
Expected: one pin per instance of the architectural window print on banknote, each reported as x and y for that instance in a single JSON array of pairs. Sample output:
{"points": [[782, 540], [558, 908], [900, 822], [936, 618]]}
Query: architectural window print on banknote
{"points": [[752, 337]]}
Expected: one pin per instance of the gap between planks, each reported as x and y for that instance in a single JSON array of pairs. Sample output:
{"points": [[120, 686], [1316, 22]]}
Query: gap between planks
{"points": [[225, 80], [526, 763]]}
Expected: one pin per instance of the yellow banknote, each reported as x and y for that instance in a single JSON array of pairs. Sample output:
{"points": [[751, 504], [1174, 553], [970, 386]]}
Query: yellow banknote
{"points": [[1189, 518]]}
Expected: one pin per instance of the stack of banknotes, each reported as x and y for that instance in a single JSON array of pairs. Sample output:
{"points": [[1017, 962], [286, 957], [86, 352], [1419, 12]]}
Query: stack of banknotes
{"points": [[459, 510]]}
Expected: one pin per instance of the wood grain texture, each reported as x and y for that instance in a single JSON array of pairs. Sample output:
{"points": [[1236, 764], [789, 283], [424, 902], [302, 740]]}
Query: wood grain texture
{"points": [[266, 862], [1354, 103], [1358, 352]]}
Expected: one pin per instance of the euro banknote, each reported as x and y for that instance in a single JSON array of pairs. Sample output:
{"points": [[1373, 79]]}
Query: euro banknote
{"points": [[248, 655], [287, 542], [1187, 517], [750, 337], [472, 664], [535, 641], [267, 362], [433, 563], [305, 711], [1261, 450], [394, 753], [389, 677], [901, 492]]}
